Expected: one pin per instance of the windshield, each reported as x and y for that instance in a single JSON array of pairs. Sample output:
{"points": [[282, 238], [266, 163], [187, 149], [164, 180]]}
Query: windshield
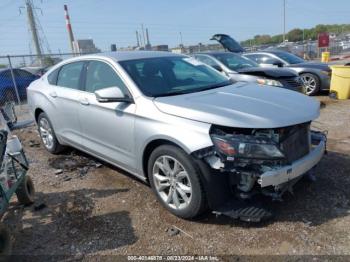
{"points": [[290, 58], [235, 62], [165, 76]]}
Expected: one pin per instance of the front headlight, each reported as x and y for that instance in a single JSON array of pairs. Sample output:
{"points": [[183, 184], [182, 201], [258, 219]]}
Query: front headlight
{"points": [[243, 146], [269, 82]]}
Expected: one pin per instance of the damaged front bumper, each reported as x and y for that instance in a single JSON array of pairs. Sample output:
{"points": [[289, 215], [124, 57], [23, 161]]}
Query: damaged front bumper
{"points": [[298, 168], [232, 188]]}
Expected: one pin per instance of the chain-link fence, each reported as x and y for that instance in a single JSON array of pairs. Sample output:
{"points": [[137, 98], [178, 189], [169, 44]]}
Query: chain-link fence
{"points": [[16, 74]]}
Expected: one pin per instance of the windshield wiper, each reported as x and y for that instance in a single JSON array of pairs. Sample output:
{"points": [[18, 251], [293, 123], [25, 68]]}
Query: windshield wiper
{"points": [[226, 83], [182, 92]]}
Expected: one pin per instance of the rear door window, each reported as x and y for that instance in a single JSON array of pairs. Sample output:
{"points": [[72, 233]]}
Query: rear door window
{"points": [[69, 75], [22, 73]]}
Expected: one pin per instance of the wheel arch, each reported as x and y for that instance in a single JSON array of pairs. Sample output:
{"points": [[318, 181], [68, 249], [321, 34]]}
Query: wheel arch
{"points": [[37, 112], [152, 145]]}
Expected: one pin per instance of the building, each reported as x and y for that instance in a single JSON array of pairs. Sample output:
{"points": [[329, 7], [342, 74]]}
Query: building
{"points": [[160, 48], [85, 46]]}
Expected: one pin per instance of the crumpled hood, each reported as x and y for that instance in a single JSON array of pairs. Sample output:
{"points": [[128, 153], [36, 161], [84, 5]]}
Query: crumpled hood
{"points": [[320, 66], [244, 105], [267, 72]]}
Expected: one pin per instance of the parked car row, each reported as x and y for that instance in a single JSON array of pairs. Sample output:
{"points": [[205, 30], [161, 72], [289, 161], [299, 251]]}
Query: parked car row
{"points": [[315, 76], [239, 68], [201, 140]]}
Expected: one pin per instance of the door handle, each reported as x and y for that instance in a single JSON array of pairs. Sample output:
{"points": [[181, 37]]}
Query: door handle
{"points": [[84, 102], [53, 94]]}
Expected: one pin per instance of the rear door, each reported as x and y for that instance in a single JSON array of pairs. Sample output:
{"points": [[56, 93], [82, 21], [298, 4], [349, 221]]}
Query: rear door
{"points": [[67, 96], [108, 128]]}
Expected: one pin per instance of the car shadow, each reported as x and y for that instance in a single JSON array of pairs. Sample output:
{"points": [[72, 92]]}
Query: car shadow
{"points": [[69, 223], [313, 203]]}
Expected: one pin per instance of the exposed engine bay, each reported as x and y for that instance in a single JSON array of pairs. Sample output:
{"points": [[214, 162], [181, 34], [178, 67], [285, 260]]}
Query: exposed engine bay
{"points": [[245, 154]]}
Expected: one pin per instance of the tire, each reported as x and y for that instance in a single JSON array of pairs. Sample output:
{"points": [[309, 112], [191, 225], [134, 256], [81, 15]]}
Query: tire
{"points": [[188, 199], [5, 243], [311, 83], [48, 136], [25, 191]]}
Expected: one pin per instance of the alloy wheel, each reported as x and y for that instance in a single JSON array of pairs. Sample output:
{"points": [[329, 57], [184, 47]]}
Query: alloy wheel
{"points": [[46, 133], [310, 83], [172, 182]]}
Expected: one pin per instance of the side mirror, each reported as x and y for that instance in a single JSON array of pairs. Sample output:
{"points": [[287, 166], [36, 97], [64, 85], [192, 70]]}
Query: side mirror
{"points": [[112, 94], [217, 67]]}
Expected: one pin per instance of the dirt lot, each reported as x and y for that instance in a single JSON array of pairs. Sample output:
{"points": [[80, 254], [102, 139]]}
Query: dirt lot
{"points": [[92, 209]]}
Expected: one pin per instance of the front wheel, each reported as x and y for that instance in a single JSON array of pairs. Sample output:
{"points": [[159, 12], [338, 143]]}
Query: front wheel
{"points": [[176, 181], [48, 136], [311, 83]]}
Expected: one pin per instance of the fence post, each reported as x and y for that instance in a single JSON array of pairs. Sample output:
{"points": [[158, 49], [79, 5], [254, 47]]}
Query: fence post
{"points": [[14, 80]]}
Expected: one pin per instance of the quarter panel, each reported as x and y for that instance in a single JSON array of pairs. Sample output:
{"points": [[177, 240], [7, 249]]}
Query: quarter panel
{"points": [[151, 124]]}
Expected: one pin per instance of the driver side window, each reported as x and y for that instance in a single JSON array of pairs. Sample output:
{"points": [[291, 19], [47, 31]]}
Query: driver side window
{"points": [[100, 75]]}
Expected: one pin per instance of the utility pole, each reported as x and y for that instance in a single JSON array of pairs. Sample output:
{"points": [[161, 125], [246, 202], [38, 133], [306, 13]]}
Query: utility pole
{"points": [[181, 42], [143, 36], [148, 44], [284, 21], [69, 29], [137, 39], [33, 29]]}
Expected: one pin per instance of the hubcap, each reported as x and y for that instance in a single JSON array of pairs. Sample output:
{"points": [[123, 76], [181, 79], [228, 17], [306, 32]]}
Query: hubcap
{"points": [[309, 83], [46, 133], [172, 182]]}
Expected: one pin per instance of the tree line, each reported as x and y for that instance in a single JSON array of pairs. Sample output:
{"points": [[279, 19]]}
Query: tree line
{"points": [[297, 34]]}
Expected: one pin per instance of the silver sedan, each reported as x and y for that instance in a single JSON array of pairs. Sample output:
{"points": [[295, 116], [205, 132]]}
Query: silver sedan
{"points": [[174, 122]]}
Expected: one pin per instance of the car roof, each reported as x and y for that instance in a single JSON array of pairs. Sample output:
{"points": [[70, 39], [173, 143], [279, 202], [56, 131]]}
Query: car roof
{"points": [[268, 51], [128, 55], [215, 53], [4, 69]]}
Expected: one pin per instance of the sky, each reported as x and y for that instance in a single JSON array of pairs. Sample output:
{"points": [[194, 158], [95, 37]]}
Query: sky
{"points": [[115, 21]]}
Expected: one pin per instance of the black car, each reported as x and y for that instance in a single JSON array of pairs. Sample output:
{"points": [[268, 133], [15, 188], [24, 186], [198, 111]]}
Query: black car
{"points": [[240, 68], [315, 76]]}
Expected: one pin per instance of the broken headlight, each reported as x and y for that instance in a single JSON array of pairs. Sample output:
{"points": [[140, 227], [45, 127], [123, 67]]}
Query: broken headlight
{"points": [[246, 146]]}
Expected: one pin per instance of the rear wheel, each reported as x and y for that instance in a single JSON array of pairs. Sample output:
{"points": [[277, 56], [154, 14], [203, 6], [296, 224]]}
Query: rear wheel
{"points": [[311, 83], [48, 136], [176, 181]]}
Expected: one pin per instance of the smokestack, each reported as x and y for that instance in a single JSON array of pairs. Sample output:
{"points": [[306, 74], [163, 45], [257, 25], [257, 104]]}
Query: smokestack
{"points": [[69, 29]]}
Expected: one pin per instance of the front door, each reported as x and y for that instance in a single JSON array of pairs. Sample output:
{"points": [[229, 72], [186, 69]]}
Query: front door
{"points": [[66, 95], [107, 128]]}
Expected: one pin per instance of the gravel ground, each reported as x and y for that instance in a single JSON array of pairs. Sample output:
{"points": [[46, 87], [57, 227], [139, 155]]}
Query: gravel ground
{"points": [[89, 209]]}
